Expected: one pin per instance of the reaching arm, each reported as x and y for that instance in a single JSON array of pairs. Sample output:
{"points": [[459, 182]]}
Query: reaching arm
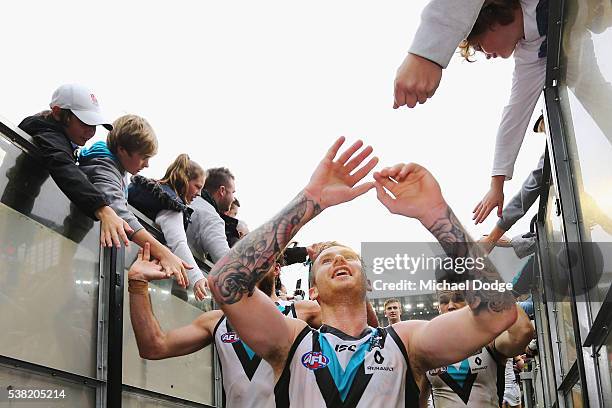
{"points": [[167, 259], [444, 24], [233, 279], [416, 194], [59, 160], [518, 206], [513, 341], [527, 84], [154, 343], [69, 178], [171, 224]]}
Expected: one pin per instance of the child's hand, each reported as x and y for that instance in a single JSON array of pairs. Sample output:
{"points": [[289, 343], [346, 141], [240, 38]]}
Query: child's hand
{"points": [[200, 289], [176, 267], [493, 198], [417, 80], [113, 229], [145, 269]]}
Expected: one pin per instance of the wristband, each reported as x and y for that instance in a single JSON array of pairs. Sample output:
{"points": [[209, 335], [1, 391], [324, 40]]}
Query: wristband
{"points": [[138, 287]]}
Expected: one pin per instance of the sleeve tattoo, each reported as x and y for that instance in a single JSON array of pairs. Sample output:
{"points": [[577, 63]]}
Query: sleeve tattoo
{"points": [[457, 243], [251, 258]]}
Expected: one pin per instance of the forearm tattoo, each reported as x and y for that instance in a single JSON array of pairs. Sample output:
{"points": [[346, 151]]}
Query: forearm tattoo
{"points": [[457, 243], [251, 258]]}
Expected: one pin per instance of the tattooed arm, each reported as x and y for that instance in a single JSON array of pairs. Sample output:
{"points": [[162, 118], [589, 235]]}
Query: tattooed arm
{"points": [[416, 194], [234, 277]]}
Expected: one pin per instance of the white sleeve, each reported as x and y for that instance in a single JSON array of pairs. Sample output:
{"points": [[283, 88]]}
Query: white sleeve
{"points": [[171, 224], [444, 24], [527, 84]]}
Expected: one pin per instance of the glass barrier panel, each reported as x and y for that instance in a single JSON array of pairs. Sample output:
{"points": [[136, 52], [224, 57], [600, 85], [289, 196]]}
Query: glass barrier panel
{"points": [[559, 293], [586, 100], [22, 388], [133, 400], [49, 268], [187, 377]]}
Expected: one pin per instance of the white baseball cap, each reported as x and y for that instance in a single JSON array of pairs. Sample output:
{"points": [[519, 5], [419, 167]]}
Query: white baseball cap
{"points": [[82, 102]]}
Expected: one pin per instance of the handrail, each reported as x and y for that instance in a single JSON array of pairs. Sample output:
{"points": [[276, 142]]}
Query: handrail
{"points": [[20, 138]]}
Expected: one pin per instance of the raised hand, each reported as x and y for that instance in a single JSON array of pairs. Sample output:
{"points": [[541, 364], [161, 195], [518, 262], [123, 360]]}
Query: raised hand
{"points": [[200, 289], [414, 191], [493, 198], [332, 182], [417, 80], [176, 267], [113, 229], [145, 269]]}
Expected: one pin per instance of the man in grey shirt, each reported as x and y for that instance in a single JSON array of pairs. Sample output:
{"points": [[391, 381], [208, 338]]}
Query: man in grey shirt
{"points": [[522, 201], [206, 232]]}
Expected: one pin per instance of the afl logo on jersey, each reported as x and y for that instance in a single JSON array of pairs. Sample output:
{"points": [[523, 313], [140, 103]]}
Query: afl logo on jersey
{"points": [[230, 337], [437, 371], [313, 360]]}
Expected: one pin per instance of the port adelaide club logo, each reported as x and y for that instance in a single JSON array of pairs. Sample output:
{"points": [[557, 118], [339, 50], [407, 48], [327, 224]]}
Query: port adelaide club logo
{"points": [[230, 337], [313, 360]]}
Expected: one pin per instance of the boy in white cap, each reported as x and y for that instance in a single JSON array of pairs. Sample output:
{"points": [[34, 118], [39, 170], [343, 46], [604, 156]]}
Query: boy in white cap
{"points": [[59, 133]]}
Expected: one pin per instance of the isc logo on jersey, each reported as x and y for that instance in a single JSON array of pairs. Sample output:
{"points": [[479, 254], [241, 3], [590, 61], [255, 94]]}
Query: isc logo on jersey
{"points": [[343, 347], [313, 360], [230, 337]]}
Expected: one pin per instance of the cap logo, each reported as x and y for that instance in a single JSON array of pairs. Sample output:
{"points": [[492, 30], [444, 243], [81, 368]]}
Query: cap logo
{"points": [[93, 99]]}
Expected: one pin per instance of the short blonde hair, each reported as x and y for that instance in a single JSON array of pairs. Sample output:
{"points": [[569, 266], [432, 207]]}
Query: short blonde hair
{"points": [[134, 134], [392, 300]]}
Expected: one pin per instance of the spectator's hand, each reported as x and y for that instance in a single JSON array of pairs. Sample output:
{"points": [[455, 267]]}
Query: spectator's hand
{"points": [[493, 198], [416, 80], [200, 289], [113, 229], [332, 182], [144, 268], [416, 193], [176, 267], [504, 242], [486, 243]]}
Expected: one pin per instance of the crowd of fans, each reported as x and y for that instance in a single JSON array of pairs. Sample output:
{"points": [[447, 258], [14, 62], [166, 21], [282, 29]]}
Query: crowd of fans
{"points": [[194, 208]]}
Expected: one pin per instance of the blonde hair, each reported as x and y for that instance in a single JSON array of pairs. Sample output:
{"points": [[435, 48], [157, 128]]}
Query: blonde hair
{"points": [[180, 173], [392, 300], [134, 134]]}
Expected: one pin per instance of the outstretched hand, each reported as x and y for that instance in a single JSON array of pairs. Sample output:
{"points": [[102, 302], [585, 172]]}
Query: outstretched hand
{"points": [[332, 182], [417, 80], [145, 269], [493, 198], [414, 191]]}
